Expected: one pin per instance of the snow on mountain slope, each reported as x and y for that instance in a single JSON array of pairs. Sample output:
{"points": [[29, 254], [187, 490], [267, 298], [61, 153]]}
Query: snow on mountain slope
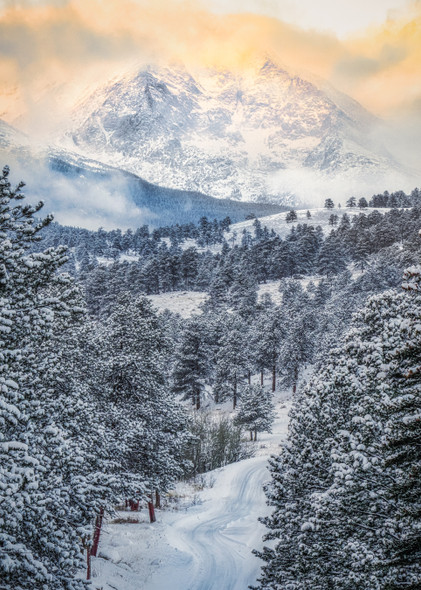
{"points": [[88, 193], [10, 136], [206, 546], [262, 134]]}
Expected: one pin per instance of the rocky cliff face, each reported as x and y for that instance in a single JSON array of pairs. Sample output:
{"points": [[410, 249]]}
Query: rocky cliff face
{"points": [[250, 136]]}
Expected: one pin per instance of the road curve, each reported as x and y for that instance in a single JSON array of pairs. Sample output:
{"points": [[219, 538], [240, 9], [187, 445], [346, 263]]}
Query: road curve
{"points": [[213, 542]]}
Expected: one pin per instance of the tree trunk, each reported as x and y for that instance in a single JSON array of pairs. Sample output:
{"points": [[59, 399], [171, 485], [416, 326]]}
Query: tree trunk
{"points": [[294, 385], [198, 400], [255, 435], [273, 378], [157, 499], [152, 517], [251, 435], [88, 563], [234, 399], [97, 532], [261, 377], [249, 377]]}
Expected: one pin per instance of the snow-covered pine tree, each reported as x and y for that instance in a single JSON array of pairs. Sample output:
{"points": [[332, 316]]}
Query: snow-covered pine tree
{"points": [[373, 457], [331, 257], [231, 361], [192, 362], [39, 542], [256, 410], [243, 292], [147, 427], [269, 334], [403, 454], [299, 327], [301, 470], [345, 488], [93, 487]]}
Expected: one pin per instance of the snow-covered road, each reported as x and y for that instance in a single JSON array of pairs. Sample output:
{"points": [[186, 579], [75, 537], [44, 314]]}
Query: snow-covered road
{"points": [[215, 541], [206, 546]]}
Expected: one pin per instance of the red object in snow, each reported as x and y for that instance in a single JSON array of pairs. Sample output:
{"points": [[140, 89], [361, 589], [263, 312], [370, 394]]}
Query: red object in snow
{"points": [[152, 517]]}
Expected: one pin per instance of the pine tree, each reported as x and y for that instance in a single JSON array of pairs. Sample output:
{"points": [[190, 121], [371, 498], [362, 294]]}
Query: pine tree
{"points": [[291, 216], [39, 540], [192, 362], [331, 258], [231, 366], [299, 326], [345, 489], [256, 410], [147, 427], [268, 336], [243, 292]]}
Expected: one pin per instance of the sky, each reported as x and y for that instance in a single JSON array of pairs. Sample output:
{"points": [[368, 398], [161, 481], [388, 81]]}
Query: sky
{"points": [[52, 53], [340, 17]]}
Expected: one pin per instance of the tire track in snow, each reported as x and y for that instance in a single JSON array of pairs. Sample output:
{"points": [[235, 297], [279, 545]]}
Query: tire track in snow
{"points": [[214, 542]]}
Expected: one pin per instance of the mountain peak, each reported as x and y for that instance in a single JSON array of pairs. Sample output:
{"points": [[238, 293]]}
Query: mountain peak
{"points": [[242, 134]]}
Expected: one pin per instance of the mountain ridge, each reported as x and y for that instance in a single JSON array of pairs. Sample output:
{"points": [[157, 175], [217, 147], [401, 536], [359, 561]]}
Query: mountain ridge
{"points": [[236, 135], [88, 193]]}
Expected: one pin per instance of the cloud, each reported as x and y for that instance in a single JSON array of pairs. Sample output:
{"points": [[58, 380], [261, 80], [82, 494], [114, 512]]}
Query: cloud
{"points": [[381, 67], [311, 187], [60, 49], [52, 53], [76, 200], [360, 67]]}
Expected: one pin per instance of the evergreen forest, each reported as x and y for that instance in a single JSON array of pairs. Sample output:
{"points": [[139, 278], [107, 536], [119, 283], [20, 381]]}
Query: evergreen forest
{"points": [[105, 399]]}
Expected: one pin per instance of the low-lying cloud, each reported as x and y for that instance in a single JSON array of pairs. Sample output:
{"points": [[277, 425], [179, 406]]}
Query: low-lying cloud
{"points": [[311, 188], [76, 200], [58, 49]]}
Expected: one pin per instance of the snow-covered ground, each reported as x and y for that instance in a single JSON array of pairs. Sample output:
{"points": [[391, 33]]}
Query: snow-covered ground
{"points": [[186, 303], [204, 545], [319, 216]]}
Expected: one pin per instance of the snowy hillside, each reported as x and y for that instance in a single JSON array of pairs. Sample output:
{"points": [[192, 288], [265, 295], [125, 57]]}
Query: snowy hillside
{"points": [[318, 217], [263, 134]]}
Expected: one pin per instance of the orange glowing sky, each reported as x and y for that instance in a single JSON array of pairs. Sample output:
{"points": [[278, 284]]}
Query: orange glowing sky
{"points": [[51, 53]]}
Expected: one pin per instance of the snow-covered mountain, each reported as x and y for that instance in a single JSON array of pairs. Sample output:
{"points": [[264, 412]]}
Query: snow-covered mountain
{"points": [[87, 193], [260, 135]]}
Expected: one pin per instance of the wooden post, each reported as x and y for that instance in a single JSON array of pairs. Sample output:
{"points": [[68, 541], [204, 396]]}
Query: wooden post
{"points": [[97, 532], [152, 517]]}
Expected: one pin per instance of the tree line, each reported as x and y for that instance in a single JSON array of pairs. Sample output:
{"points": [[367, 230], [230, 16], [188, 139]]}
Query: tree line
{"points": [[345, 490]]}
